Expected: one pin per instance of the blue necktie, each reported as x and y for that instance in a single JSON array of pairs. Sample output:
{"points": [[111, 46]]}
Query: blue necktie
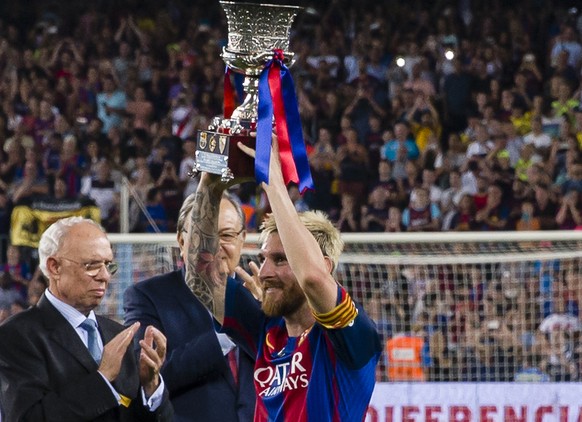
{"points": [[90, 326]]}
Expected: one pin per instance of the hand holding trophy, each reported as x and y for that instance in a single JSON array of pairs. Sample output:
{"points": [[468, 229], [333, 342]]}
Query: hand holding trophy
{"points": [[258, 43]]}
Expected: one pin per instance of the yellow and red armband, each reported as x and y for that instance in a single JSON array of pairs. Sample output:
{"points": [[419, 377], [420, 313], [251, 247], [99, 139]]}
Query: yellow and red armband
{"points": [[339, 317]]}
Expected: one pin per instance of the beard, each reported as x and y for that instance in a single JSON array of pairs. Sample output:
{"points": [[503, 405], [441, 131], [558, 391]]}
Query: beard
{"points": [[292, 298]]}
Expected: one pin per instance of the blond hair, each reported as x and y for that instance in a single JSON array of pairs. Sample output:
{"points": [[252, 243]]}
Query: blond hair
{"points": [[325, 233]]}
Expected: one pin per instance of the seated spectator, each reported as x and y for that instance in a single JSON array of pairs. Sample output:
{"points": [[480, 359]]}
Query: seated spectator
{"points": [[464, 218], [545, 206], [540, 140], [481, 144], [495, 214], [402, 144], [528, 221], [569, 214], [421, 214], [349, 218], [375, 213]]}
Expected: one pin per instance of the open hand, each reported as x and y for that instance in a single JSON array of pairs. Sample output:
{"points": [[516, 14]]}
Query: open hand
{"points": [[151, 359], [114, 351], [251, 282]]}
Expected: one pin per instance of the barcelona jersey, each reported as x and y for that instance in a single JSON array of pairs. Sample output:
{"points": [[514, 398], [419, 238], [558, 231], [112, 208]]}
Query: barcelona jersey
{"points": [[322, 375]]}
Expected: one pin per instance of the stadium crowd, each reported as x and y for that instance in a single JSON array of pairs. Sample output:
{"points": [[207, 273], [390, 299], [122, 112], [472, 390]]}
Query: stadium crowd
{"points": [[417, 117]]}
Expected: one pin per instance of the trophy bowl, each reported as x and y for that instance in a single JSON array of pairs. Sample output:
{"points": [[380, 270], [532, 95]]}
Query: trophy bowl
{"points": [[255, 31]]}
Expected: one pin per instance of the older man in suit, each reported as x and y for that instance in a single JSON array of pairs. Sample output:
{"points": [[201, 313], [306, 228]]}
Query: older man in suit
{"points": [[61, 362], [210, 379]]}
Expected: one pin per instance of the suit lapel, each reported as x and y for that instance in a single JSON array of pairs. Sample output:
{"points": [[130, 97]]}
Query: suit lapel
{"points": [[196, 311], [63, 334]]}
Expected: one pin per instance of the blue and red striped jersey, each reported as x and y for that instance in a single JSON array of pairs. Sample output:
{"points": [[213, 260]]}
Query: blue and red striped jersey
{"points": [[322, 375]]}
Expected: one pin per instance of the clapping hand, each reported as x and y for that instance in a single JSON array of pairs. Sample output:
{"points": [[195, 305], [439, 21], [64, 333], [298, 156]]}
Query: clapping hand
{"points": [[151, 359]]}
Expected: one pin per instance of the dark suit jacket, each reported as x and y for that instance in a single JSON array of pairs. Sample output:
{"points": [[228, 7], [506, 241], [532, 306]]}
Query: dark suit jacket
{"points": [[47, 373], [196, 373]]}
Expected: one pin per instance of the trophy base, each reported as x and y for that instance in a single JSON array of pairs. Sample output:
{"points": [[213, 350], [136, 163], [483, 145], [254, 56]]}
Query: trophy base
{"points": [[217, 153]]}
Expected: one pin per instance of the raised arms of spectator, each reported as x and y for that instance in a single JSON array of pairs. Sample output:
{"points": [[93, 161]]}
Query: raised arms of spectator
{"points": [[568, 204], [363, 95]]}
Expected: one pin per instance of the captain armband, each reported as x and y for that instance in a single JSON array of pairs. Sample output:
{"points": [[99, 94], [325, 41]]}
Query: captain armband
{"points": [[339, 317]]}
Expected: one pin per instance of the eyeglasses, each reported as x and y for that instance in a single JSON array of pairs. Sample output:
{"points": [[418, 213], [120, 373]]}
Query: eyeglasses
{"points": [[230, 237], [93, 268]]}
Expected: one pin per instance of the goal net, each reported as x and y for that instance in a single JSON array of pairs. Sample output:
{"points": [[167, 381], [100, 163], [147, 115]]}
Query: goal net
{"points": [[485, 306]]}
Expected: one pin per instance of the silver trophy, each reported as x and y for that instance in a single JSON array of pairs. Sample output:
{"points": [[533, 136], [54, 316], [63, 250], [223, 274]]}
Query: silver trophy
{"points": [[254, 32]]}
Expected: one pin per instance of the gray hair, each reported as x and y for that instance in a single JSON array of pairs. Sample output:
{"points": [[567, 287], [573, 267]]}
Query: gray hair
{"points": [[52, 238], [188, 204]]}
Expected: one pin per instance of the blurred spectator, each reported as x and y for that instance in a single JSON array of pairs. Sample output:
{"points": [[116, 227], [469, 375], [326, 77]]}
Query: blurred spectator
{"points": [[421, 214], [17, 267], [494, 215], [464, 217], [188, 162], [569, 214], [111, 104], [10, 292], [402, 147], [527, 220], [375, 213], [297, 198], [567, 41], [140, 109], [71, 166], [154, 218], [31, 184], [105, 192], [545, 207], [353, 160], [171, 190], [559, 319], [349, 218]]}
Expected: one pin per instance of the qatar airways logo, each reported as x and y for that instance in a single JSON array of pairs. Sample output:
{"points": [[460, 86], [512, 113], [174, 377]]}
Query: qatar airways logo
{"points": [[287, 376]]}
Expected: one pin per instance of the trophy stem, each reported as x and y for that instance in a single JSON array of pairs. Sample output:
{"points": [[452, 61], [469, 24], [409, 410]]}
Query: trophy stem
{"points": [[247, 111]]}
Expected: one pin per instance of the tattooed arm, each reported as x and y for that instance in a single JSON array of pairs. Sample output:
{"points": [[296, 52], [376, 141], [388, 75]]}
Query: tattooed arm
{"points": [[206, 269]]}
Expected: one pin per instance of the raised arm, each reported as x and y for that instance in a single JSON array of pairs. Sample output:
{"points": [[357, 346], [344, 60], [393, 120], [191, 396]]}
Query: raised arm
{"points": [[206, 270], [311, 268]]}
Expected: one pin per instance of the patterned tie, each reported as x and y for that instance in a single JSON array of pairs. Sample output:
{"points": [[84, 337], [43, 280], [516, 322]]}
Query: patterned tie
{"points": [[90, 326]]}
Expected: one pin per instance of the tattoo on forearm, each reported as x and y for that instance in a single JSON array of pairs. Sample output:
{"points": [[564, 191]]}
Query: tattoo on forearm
{"points": [[203, 273]]}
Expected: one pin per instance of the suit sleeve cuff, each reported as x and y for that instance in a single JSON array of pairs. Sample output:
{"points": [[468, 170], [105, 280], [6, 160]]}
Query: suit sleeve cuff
{"points": [[155, 399]]}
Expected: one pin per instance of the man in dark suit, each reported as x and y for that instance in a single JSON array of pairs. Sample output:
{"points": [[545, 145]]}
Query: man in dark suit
{"points": [[209, 378], [61, 362]]}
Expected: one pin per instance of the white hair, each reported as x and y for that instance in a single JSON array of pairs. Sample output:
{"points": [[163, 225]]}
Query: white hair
{"points": [[51, 240]]}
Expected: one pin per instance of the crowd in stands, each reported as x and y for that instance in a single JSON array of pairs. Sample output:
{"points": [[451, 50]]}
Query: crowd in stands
{"points": [[418, 116], [517, 322]]}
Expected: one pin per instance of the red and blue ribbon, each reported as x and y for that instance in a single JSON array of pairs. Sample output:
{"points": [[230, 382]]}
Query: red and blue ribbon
{"points": [[277, 98], [229, 100]]}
